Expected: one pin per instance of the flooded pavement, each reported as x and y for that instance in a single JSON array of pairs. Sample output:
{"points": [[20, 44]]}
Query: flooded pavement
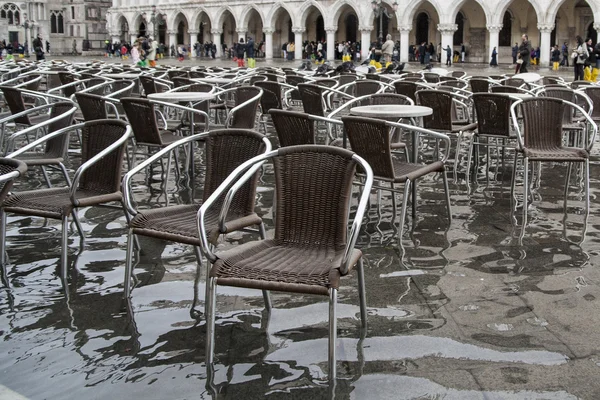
{"points": [[459, 311]]}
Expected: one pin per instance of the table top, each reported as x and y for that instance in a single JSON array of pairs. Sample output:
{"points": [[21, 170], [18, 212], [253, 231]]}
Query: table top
{"points": [[181, 96], [529, 77], [439, 71], [391, 111], [121, 76], [213, 80]]}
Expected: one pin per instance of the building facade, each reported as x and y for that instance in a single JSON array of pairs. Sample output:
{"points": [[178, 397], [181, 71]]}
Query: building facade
{"points": [[67, 24]]}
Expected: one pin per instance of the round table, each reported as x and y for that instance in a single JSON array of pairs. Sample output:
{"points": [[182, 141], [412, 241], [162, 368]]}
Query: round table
{"points": [[439, 71], [120, 76], [181, 96], [216, 81], [529, 77], [393, 111]]}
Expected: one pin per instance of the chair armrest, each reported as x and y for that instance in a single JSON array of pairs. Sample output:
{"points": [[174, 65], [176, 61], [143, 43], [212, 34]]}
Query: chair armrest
{"points": [[126, 181], [118, 92], [82, 168], [346, 105], [184, 108], [24, 113], [428, 132], [43, 139]]}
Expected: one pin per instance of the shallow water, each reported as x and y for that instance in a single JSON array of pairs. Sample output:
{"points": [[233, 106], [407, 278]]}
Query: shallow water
{"points": [[460, 311]]}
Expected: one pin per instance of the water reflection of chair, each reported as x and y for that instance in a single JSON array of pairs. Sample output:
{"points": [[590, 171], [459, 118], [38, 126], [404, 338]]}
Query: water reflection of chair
{"points": [[310, 251], [541, 140], [95, 182], [225, 151]]}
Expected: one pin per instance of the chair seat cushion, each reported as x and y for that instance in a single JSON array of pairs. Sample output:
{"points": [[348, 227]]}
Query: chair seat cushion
{"points": [[287, 267], [179, 223], [558, 154], [54, 202]]}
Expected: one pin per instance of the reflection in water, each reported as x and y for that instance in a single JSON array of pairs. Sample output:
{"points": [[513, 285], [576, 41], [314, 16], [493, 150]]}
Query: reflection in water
{"points": [[456, 312]]}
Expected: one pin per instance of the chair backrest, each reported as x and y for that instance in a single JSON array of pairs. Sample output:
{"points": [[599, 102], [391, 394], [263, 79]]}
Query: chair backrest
{"points": [[197, 74], [549, 80], [58, 146], [504, 89], [227, 149], [312, 98], [370, 139], [66, 77], [373, 77], [578, 84], [593, 93], [454, 84], [142, 117], [430, 77], [147, 84], [8, 166], [441, 104], [105, 175], [347, 78], [366, 86], [257, 78], [493, 113], [293, 128], [389, 98], [179, 81], [458, 74], [408, 89], [245, 117], [326, 82], [542, 122], [271, 98], [92, 106], [200, 87], [16, 104], [34, 83], [313, 188], [119, 85], [515, 82], [563, 94], [479, 85], [173, 73], [294, 80]]}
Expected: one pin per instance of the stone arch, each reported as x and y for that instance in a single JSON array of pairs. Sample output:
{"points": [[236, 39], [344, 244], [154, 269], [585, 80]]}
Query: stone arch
{"points": [[370, 20], [336, 11], [305, 11], [135, 21], [459, 5], [174, 17], [411, 9], [220, 16], [197, 16], [271, 18], [247, 11], [552, 10]]}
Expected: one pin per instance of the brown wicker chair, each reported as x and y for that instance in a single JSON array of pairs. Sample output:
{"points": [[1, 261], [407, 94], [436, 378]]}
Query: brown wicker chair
{"points": [[14, 99], [505, 89], [96, 182], [311, 250], [493, 122], [479, 85], [225, 151], [541, 140], [573, 126], [293, 128], [55, 144], [593, 92], [370, 139], [365, 87], [94, 107], [152, 85], [246, 100], [406, 88]]}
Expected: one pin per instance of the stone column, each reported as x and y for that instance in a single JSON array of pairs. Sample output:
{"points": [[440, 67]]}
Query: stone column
{"points": [[494, 31], [404, 41], [298, 42], [268, 43], [596, 27], [331, 43], [365, 41], [115, 37], [217, 41], [193, 40], [447, 31], [241, 32], [133, 36], [545, 45]]}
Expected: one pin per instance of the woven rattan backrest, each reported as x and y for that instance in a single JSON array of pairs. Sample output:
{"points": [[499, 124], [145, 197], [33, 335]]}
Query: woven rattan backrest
{"points": [[458, 74], [366, 87], [312, 98], [578, 84], [344, 79], [563, 94], [34, 84], [455, 84], [226, 149], [294, 80], [119, 85], [271, 97], [105, 175], [293, 128], [257, 78], [326, 82], [479, 85], [430, 77], [313, 189], [197, 74], [373, 77], [272, 77], [406, 88], [66, 77], [370, 139], [147, 84], [92, 106], [200, 87], [493, 113], [245, 117], [504, 89], [8, 165], [58, 145], [16, 104], [142, 117], [542, 122], [441, 104], [179, 81], [173, 73], [548, 80], [514, 82], [388, 98], [593, 93]]}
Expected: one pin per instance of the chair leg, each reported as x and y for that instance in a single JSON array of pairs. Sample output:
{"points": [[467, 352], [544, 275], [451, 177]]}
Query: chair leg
{"points": [[128, 219], [65, 174], [586, 182], [394, 206], [332, 333], [469, 159], [513, 182], [77, 224], [447, 190], [403, 211], [64, 247], [525, 195], [2, 237], [46, 177], [362, 293], [210, 320], [567, 179], [128, 264]]}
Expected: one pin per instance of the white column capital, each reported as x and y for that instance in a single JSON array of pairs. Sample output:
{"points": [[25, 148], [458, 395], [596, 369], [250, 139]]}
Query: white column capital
{"points": [[447, 28], [241, 31], [331, 29], [193, 32], [172, 32], [268, 31], [545, 28], [216, 31], [494, 27], [297, 30], [405, 28]]}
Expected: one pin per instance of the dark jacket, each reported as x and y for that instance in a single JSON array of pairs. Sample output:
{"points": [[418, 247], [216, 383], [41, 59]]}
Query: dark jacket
{"points": [[240, 49], [593, 55], [556, 55], [250, 48], [525, 51]]}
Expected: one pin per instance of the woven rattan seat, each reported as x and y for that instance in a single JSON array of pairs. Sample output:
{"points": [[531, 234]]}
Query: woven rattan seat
{"points": [[311, 249], [96, 181]]}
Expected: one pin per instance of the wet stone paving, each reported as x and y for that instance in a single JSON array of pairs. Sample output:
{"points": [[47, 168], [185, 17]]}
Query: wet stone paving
{"points": [[458, 311]]}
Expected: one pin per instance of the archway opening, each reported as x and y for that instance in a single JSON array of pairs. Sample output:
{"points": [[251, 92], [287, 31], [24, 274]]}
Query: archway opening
{"points": [[283, 31], [472, 32], [181, 32], [228, 26], [347, 23], [315, 25], [384, 24], [142, 29], [505, 35], [203, 28], [123, 29], [351, 27], [422, 28], [459, 34], [255, 28]]}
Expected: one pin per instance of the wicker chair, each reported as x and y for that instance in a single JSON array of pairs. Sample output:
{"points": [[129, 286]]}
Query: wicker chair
{"points": [[493, 122], [95, 182], [479, 85], [94, 107], [541, 140], [16, 104], [373, 77], [370, 139], [271, 99], [293, 128], [593, 93], [243, 115], [225, 151], [365, 87], [430, 77], [55, 146], [176, 73], [573, 126], [406, 88], [152, 85], [458, 74], [311, 250]]}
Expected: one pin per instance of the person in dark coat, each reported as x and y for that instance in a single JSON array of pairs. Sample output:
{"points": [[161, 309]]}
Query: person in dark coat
{"points": [[240, 50], [524, 53], [555, 58], [494, 62], [422, 51], [448, 55], [515, 52]]}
